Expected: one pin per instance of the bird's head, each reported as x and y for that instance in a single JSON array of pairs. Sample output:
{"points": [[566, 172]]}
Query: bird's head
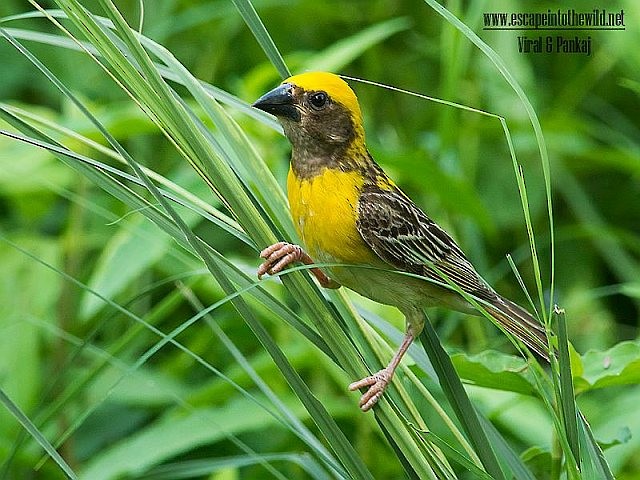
{"points": [[318, 111]]}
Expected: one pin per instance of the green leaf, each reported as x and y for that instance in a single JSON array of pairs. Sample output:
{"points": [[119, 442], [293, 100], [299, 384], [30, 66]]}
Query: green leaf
{"points": [[495, 370], [135, 247], [620, 365], [622, 436], [29, 292], [510, 460], [207, 467], [348, 49], [458, 457], [537, 459], [173, 435]]}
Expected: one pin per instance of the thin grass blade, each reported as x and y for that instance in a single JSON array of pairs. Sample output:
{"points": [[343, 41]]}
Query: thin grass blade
{"points": [[594, 466], [459, 401], [567, 400], [458, 457], [338, 441], [253, 21], [36, 434]]}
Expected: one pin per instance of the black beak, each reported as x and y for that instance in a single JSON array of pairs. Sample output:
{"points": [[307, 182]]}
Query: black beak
{"points": [[279, 102]]}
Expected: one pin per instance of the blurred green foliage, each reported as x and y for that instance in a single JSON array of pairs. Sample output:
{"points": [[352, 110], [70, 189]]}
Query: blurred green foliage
{"points": [[455, 164]]}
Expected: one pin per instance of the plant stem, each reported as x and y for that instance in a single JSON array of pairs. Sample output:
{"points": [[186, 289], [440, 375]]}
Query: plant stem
{"points": [[556, 456]]}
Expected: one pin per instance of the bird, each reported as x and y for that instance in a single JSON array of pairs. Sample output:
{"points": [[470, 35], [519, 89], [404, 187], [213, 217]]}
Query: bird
{"points": [[351, 215]]}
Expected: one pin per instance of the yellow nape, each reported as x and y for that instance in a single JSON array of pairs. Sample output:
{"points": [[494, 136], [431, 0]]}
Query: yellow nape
{"points": [[325, 210], [332, 84]]}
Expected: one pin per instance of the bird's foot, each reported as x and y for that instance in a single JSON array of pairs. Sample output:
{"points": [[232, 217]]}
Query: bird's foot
{"points": [[278, 256], [281, 254], [377, 384]]}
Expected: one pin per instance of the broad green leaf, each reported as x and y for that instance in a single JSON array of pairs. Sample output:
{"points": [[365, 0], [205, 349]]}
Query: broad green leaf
{"points": [[208, 467], [28, 291], [133, 249], [175, 434], [348, 49], [622, 436], [620, 365], [495, 370], [26, 171], [144, 387]]}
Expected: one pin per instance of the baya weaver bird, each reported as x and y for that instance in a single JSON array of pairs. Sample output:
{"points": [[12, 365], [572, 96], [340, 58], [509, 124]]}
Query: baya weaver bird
{"points": [[347, 211]]}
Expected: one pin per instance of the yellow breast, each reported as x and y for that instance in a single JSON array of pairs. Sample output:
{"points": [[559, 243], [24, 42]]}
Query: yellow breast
{"points": [[324, 210]]}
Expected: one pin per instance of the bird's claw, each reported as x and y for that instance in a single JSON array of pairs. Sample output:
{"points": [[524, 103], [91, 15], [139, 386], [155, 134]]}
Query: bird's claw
{"points": [[377, 384], [278, 256], [281, 254]]}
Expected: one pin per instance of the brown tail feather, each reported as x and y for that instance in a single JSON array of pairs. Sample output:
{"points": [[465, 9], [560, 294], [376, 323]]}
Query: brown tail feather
{"points": [[521, 324]]}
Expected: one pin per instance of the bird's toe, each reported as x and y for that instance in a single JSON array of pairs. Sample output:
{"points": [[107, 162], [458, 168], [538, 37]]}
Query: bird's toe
{"points": [[266, 253], [377, 384], [277, 257]]}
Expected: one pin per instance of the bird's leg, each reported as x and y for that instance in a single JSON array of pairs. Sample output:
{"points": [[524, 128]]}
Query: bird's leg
{"points": [[378, 382], [281, 254]]}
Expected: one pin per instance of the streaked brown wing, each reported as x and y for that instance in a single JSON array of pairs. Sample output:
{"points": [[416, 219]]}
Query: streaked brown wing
{"points": [[400, 233]]}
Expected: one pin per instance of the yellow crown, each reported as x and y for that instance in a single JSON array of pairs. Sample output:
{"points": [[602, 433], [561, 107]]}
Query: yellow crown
{"points": [[332, 84]]}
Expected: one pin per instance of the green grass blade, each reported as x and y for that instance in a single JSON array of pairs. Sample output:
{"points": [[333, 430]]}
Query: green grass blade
{"points": [[294, 422], [510, 458], [253, 21], [522, 190], [459, 401], [458, 457], [567, 400], [339, 442], [594, 466], [36, 434]]}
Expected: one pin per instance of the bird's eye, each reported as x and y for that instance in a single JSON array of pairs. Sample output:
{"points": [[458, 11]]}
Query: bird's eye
{"points": [[318, 100]]}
